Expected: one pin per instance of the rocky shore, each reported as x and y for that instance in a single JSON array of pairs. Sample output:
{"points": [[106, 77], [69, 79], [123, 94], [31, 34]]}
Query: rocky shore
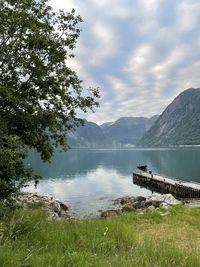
{"points": [[142, 204], [55, 208]]}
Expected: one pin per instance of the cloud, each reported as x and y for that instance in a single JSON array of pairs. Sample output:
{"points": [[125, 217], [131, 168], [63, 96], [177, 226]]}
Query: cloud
{"points": [[187, 15], [83, 192], [141, 53], [106, 43], [67, 5], [119, 87]]}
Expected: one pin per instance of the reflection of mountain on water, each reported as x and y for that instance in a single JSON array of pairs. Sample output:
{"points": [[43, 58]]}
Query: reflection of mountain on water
{"points": [[83, 161], [180, 163], [88, 179], [65, 163]]}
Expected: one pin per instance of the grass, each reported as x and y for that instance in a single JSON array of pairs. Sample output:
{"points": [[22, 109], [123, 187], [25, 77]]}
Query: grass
{"points": [[28, 238]]}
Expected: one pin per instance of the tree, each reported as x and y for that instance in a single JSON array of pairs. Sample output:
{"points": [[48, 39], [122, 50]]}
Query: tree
{"points": [[39, 94]]}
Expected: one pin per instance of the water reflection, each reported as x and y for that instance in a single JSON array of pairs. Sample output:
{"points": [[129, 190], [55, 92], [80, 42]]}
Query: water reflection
{"points": [[89, 179], [179, 163], [91, 192]]}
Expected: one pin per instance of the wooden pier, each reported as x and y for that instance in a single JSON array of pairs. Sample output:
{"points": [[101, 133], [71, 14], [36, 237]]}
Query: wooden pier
{"points": [[161, 184]]}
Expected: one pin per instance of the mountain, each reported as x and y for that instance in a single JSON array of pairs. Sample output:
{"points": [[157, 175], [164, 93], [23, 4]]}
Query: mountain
{"points": [[127, 130], [106, 124], [90, 135], [179, 124]]}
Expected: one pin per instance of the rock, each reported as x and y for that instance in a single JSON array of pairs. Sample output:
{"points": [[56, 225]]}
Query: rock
{"points": [[146, 204], [128, 207], [110, 213], [156, 203], [167, 198], [63, 206], [124, 200], [140, 198], [140, 204], [165, 205], [116, 201], [136, 205], [55, 215], [151, 208], [55, 208]]}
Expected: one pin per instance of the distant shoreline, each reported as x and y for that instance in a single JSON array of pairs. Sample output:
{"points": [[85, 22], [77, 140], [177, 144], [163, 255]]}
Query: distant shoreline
{"points": [[136, 147]]}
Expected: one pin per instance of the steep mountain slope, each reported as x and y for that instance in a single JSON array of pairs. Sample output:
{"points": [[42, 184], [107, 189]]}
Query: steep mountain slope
{"points": [[127, 130], [179, 124], [90, 135], [106, 124]]}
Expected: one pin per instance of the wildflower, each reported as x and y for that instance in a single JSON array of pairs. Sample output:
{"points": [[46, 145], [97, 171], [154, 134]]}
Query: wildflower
{"points": [[105, 231]]}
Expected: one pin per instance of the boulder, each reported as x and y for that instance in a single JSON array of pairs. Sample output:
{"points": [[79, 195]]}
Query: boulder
{"points": [[151, 208], [146, 204], [63, 206], [156, 203], [167, 198], [128, 207], [54, 207], [109, 214], [140, 198], [125, 200], [137, 205]]}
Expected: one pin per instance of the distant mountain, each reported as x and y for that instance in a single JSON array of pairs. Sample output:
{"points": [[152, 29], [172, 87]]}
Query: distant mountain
{"points": [[106, 124], [90, 135], [127, 130], [179, 124]]}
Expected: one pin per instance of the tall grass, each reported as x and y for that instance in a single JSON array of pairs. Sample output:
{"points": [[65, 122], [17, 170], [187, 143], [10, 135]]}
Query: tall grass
{"points": [[28, 238]]}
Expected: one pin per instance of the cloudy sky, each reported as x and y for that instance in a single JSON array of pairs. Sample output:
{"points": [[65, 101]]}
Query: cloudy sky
{"points": [[141, 53]]}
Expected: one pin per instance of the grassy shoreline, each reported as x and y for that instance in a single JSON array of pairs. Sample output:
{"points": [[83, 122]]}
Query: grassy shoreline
{"points": [[28, 238]]}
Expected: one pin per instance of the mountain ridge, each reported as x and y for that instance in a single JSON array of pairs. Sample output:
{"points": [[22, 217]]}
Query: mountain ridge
{"points": [[125, 131], [179, 124]]}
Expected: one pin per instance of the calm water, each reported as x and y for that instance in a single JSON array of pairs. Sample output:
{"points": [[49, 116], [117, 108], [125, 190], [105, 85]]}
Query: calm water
{"points": [[87, 180]]}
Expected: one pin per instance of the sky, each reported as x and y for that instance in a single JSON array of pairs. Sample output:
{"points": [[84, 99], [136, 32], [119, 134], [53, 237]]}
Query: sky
{"points": [[141, 53]]}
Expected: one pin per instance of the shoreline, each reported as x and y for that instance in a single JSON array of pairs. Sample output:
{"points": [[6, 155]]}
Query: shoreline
{"points": [[56, 209], [161, 237]]}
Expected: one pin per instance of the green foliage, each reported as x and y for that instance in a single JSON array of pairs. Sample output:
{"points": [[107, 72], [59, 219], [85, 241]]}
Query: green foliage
{"points": [[12, 171], [39, 93], [29, 238]]}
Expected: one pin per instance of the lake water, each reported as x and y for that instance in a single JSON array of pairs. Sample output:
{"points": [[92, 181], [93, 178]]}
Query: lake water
{"points": [[88, 180]]}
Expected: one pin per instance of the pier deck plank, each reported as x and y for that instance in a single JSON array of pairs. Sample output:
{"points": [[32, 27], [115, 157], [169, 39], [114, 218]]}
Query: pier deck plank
{"points": [[171, 181]]}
